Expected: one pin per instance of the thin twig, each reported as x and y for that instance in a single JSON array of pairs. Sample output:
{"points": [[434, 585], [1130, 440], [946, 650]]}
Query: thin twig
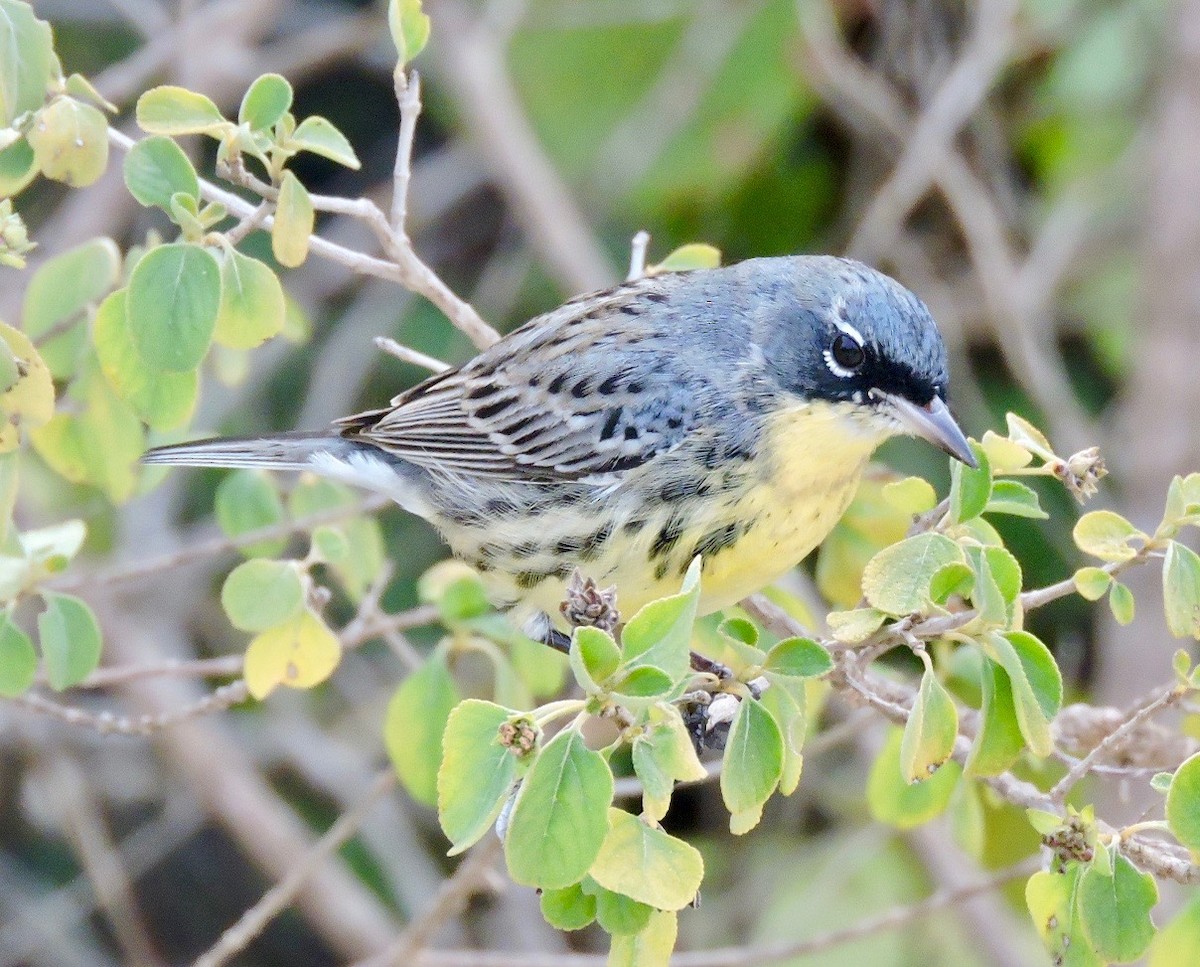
{"points": [[405, 267], [409, 355], [637, 255], [472, 875], [216, 545], [280, 896], [108, 724], [408, 97], [1081, 768]]}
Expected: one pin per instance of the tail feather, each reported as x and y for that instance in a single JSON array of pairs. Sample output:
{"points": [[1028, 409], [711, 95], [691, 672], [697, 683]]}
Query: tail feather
{"points": [[283, 452]]}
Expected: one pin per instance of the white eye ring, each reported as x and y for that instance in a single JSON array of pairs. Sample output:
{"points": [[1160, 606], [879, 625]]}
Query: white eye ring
{"points": [[834, 368]]}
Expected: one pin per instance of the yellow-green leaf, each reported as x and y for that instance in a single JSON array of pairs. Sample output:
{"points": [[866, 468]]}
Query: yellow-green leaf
{"points": [[246, 501], [409, 27], [647, 864], [1114, 909], [912, 495], [156, 169], [1004, 455], [18, 660], [70, 142], [1183, 804], [477, 772], [897, 578], [998, 743], [1092, 582], [164, 400], [930, 731], [293, 226], [28, 63], [560, 818], [174, 296], [1181, 590], [29, 403], [1176, 944], [1106, 535], [318, 136], [300, 653], [896, 802], [261, 594], [1052, 901], [649, 947], [265, 102], [415, 723], [252, 306], [697, 255], [176, 110], [753, 764], [69, 636]]}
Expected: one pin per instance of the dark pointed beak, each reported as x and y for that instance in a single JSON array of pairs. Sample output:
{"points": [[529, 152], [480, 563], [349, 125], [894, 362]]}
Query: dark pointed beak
{"points": [[934, 423]]}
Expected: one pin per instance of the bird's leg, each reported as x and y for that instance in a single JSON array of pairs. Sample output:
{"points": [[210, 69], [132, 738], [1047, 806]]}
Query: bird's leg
{"points": [[707, 665], [559, 641]]}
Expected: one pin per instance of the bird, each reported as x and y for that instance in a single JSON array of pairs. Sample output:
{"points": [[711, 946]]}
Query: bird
{"points": [[724, 413]]}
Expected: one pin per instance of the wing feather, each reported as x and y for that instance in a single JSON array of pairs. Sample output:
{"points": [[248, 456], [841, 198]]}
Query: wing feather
{"points": [[584, 391]]}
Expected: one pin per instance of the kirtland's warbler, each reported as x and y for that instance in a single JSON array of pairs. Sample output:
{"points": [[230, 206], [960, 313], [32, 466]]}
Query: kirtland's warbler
{"points": [[726, 413]]}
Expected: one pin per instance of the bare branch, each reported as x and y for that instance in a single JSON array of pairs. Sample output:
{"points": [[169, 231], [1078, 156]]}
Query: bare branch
{"points": [[409, 355]]}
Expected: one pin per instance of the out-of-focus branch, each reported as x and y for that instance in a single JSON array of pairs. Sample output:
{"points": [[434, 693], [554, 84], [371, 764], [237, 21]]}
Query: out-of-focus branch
{"points": [[234, 940], [473, 67]]}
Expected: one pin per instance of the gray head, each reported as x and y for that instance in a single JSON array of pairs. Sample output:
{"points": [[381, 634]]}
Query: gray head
{"points": [[837, 330]]}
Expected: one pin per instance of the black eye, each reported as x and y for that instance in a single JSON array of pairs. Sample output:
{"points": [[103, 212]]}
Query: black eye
{"points": [[846, 352]]}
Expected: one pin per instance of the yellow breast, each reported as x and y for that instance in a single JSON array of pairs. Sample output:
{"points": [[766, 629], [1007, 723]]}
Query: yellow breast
{"points": [[803, 479]]}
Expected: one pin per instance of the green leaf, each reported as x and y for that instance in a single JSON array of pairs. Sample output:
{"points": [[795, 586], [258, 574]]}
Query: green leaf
{"points": [[645, 681], [740, 652], [409, 27], [930, 731], [1121, 603], [1004, 455], [252, 306], [28, 63], [663, 754], [174, 296], [1036, 684], [176, 110], [265, 102], [318, 136], [70, 142], [69, 636], [1181, 590], [477, 772], [649, 947], [1052, 899], [594, 656], [697, 255], [798, 658], [660, 634], [164, 400], [293, 226], [260, 594], [247, 501], [1026, 435], [1092, 582], [1176, 943], [1106, 535], [753, 765], [912, 495], [155, 169], [619, 915], [1114, 910], [416, 720], [1015, 499], [58, 297], [568, 908], [18, 167], [855, 627], [1183, 804], [299, 653], [560, 818], [647, 864], [18, 660], [970, 488], [897, 579], [892, 800], [998, 743], [786, 701], [956, 578]]}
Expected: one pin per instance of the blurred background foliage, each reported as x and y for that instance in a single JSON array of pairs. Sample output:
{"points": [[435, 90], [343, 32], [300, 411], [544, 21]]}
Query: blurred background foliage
{"points": [[1064, 275]]}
